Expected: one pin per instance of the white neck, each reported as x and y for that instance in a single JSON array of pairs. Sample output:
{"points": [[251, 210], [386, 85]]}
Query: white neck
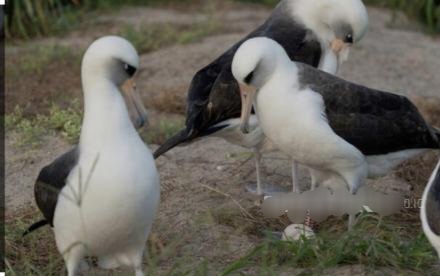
{"points": [[106, 117]]}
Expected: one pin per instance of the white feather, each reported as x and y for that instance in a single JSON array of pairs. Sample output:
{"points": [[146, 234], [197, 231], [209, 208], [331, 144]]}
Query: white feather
{"points": [[432, 237]]}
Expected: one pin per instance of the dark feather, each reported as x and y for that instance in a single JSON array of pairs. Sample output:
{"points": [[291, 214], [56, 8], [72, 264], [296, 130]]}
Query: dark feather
{"points": [[51, 180], [374, 121], [437, 133], [214, 96], [35, 226]]}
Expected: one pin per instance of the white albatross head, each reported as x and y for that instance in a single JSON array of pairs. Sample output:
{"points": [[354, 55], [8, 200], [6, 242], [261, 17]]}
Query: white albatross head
{"points": [[114, 59], [254, 63], [338, 24]]}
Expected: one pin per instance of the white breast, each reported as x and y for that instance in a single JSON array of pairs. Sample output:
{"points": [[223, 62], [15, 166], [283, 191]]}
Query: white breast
{"points": [[117, 206]]}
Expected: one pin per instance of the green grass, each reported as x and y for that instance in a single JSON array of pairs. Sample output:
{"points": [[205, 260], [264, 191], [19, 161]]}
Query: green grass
{"points": [[37, 255], [376, 245], [161, 131], [36, 59], [373, 244], [153, 37], [66, 122], [31, 131]]}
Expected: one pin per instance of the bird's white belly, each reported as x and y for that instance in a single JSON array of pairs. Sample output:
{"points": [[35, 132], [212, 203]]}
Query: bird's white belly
{"points": [[114, 211]]}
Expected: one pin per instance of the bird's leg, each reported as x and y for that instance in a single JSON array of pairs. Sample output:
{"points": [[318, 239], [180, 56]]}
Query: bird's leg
{"points": [[295, 188], [309, 221], [257, 165], [137, 263], [351, 221], [73, 259], [262, 188], [139, 272], [314, 180], [355, 179]]}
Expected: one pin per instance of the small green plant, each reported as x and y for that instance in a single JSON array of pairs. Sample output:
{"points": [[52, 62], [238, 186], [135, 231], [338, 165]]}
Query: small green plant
{"points": [[66, 121], [36, 59], [31, 131], [153, 37]]}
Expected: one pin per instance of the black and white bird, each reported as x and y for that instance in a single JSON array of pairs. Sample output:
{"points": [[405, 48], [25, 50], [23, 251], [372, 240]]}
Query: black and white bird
{"points": [[102, 196], [345, 132], [430, 212], [316, 32]]}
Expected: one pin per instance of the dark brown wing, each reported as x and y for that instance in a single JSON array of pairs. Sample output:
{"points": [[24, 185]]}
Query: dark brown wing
{"points": [[374, 121]]}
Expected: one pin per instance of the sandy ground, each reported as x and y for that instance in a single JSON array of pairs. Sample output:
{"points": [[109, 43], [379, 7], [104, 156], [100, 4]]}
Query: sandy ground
{"points": [[390, 59]]}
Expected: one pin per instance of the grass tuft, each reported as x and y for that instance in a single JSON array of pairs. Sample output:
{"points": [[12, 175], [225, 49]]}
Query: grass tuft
{"points": [[373, 243]]}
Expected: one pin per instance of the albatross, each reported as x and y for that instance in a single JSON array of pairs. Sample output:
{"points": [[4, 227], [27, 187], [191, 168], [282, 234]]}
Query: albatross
{"points": [[317, 32], [343, 131], [102, 196], [430, 212]]}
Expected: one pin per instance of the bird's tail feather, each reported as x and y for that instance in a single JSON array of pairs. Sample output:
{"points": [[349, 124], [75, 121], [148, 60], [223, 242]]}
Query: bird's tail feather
{"points": [[185, 136], [181, 137], [35, 226]]}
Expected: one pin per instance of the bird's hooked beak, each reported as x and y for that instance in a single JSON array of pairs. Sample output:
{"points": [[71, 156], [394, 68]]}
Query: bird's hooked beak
{"points": [[138, 113], [341, 50], [247, 94]]}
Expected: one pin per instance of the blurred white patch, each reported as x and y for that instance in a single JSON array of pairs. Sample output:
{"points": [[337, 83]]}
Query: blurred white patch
{"points": [[329, 62], [294, 232]]}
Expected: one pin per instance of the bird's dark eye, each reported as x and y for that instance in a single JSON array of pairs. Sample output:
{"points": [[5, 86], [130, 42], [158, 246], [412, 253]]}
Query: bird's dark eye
{"points": [[130, 70], [349, 38], [249, 78]]}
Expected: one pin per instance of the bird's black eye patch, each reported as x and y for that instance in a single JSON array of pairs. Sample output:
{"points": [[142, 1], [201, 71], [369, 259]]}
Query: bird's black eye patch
{"points": [[130, 70], [249, 78], [349, 38]]}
